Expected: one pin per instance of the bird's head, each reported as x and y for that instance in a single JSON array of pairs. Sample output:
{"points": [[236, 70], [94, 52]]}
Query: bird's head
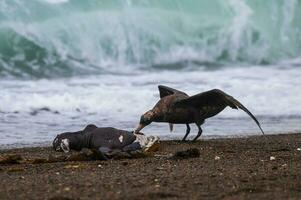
{"points": [[145, 120], [61, 143], [67, 141]]}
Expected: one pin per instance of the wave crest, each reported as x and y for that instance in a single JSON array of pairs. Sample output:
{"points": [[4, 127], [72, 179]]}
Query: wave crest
{"points": [[65, 38]]}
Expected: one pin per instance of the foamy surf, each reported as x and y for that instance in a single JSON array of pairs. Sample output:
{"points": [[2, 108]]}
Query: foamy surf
{"points": [[35, 111]]}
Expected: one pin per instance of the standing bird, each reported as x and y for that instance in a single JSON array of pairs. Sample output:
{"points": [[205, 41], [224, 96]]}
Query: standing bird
{"points": [[176, 107]]}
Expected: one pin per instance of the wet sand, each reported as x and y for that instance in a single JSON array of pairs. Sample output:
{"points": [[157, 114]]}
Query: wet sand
{"points": [[259, 167]]}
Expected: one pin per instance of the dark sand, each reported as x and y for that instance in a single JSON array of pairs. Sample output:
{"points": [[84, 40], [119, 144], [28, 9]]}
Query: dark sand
{"points": [[239, 168]]}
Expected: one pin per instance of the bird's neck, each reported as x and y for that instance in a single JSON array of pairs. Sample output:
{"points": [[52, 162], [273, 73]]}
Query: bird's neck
{"points": [[157, 115]]}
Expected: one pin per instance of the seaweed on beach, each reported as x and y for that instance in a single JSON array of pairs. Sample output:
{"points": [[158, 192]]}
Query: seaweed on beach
{"points": [[190, 153]]}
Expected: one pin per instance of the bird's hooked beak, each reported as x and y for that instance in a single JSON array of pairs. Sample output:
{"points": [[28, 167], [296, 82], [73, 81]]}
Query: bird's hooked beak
{"points": [[138, 128]]}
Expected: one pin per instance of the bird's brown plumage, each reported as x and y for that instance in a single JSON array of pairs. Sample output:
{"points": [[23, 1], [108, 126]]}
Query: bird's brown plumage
{"points": [[176, 107]]}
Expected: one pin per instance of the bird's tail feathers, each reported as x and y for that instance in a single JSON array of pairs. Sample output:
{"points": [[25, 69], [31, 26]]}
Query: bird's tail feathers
{"points": [[234, 103]]}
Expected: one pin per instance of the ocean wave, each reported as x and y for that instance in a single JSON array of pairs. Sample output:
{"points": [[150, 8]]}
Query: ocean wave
{"points": [[55, 38]]}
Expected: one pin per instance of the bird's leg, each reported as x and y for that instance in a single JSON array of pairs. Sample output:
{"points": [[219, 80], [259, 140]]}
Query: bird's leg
{"points": [[187, 132], [199, 133]]}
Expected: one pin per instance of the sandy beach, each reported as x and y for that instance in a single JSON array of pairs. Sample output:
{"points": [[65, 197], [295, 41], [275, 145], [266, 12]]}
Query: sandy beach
{"points": [[265, 167]]}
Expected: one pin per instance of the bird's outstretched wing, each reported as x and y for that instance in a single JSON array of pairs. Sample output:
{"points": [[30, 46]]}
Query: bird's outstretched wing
{"points": [[214, 101], [165, 91]]}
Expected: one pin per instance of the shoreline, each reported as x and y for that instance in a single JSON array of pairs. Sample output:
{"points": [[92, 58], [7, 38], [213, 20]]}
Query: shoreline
{"points": [[266, 167], [167, 138]]}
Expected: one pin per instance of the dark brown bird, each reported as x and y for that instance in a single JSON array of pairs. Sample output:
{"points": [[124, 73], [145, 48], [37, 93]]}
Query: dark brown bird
{"points": [[176, 107]]}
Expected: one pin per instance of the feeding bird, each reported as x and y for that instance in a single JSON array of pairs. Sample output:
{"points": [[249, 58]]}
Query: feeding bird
{"points": [[176, 107]]}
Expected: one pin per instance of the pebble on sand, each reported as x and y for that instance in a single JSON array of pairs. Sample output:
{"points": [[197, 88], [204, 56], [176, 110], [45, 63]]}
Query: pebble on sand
{"points": [[272, 158], [217, 158]]}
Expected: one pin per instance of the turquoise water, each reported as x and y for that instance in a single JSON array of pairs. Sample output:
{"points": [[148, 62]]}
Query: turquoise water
{"points": [[41, 39]]}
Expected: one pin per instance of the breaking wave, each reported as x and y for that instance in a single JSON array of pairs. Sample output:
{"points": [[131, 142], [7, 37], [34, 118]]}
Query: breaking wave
{"points": [[58, 38]]}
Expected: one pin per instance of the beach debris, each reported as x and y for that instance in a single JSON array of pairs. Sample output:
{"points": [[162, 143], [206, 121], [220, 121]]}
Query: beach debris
{"points": [[124, 163], [217, 158], [274, 168], [298, 149], [281, 149], [284, 165], [157, 183], [73, 166], [16, 169], [190, 153], [272, 158], [11, 159], [163, 155]]}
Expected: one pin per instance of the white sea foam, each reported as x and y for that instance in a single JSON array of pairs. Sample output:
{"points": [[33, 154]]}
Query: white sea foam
{"points": [[271, 93], [266, 91]]}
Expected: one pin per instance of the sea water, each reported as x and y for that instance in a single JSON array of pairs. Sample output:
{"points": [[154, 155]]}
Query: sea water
{"points": [[67, 63]]}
